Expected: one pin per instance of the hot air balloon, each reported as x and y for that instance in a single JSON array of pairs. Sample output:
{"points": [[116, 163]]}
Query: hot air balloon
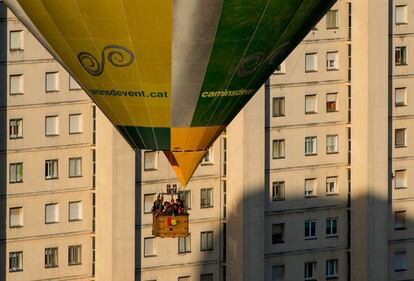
{"points": [[170, 75]]}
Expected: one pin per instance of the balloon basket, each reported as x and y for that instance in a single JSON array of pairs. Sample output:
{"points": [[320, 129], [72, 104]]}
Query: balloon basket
{"points": [[166, 226]]}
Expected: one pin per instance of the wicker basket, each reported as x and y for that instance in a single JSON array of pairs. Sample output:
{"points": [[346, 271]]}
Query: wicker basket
{"points": [[170, 226]]}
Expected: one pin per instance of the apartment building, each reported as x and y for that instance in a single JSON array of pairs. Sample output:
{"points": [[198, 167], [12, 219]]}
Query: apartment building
{"points": [[51, 172]]}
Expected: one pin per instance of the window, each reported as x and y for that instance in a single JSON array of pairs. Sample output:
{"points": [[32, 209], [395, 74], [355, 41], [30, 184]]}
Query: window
{"points": [[310, 229], [207, 241], [400, 96], [184, 245], [16, 128], [206, 277], [73, 84], [186, 195], [15, 261], [52, 213], [75, 211], [278, 233], [206, 197], [51, 257], [310, 104], [278, 190], [51, 169], [75, 167], [150, 247], [310, 188], [400, 138], [401, 14], [16, 40], [331, 185], [400, 179], [75, 255], [332, 61], [52, 126], [278, 273], [331, 268], [184, 278], [16, 173], [331, 144], [310, 270], [401, 55], [75, 123], [310, 146], [311, 62], [400, 261], [209, 158], [399, 220], [332, 102], [331, 227], [150, 160], [52, 81], [278, 106], [278, 149], [16, 217], [281, 69], [148, 202], [16, 84], [332, 19]]}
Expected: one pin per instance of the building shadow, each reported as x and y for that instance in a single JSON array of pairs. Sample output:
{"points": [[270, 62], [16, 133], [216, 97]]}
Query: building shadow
{"points": [[139, 210], [3, 140]]}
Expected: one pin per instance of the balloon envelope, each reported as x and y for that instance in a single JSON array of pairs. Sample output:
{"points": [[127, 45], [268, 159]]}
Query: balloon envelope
{"points": [[171, 75]]}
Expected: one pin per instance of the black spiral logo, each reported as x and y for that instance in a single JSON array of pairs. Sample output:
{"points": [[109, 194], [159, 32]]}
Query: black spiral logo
{"points": [[116, 55]]}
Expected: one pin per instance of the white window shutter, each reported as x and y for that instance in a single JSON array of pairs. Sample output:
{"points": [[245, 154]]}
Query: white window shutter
{"points": [[75, 210], [16, 40], [311, 63], [52, 125], [75, 123], [401, 14], [52, 81], [16, 84]]}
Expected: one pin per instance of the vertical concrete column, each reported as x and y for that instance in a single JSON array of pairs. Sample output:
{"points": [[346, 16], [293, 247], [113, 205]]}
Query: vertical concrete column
{"points": [[245, 225], [115, 204], [370, 140]]}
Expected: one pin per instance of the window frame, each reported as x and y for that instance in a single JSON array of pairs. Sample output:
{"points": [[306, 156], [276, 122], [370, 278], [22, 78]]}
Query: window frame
{"points": [[405, 22], [80, 214], [71, 78], [281, 185], [315, 104], [404, 102], [80, 169], [16, 125], [279, 141], [19, 255], [312, 229], [280, 112], [314, 190], [80, 115], [21, 217], [405, 179], [313, 265], [208, 159], [54, 134], [404, 267], [52, 161], [336, 25], [334, 274], [209, 234], [315, 58], [335, 150], [57, 82], [329, 226], [187, 245], [328, 109], [328, 192], [154, 254], [278, 238], [74, 261], [405, 138], [403, 222], [56, 218], [16, 180], [21, 86], [335, 67], [401, 56], [210, 192], [21, 34], [155, 160], [314, 142], [54, 254]]}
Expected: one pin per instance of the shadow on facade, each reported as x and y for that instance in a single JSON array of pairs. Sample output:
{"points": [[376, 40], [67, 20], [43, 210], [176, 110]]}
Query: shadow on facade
{"points": [[3, 140], [138, 213]]}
